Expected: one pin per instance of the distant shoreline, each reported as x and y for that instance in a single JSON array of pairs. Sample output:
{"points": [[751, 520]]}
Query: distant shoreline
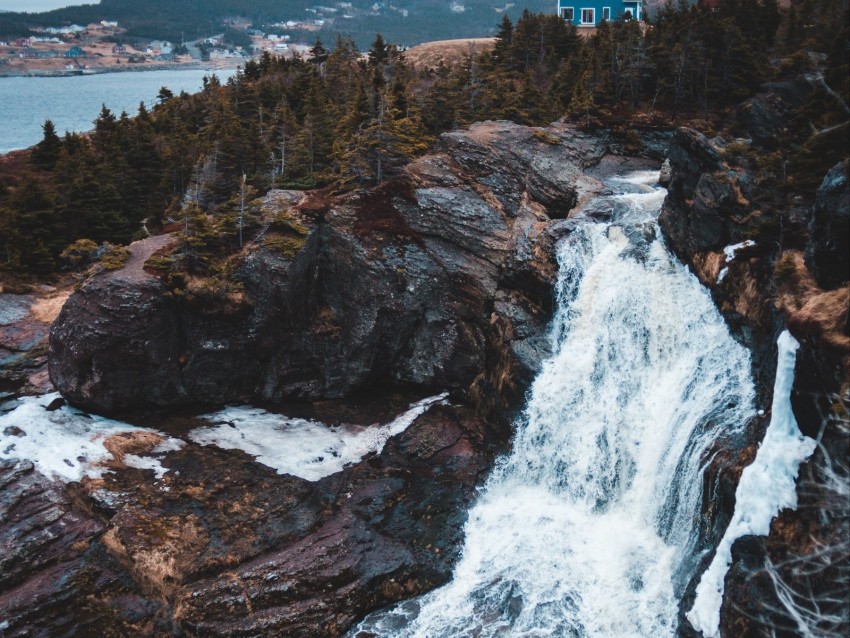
{"points": [[123, 68]]}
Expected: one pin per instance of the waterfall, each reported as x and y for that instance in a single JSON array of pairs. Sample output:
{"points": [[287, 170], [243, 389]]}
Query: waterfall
{"points": [[587, 527]]}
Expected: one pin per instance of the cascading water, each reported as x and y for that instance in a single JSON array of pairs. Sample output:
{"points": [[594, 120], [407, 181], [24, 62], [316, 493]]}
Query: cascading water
{"points": [[587, 528]]}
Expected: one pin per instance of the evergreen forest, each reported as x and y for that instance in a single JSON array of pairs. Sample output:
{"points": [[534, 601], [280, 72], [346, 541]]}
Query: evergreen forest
{"points": [[341, 119]]}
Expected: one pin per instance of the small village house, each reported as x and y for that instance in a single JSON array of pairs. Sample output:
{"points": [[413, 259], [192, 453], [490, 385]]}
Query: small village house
{"points": [[589, 13]]}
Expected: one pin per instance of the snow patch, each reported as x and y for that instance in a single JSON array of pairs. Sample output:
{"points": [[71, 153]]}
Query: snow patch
{"points": [[68, 444], [301, 447], [767, 486], [731, 251]]}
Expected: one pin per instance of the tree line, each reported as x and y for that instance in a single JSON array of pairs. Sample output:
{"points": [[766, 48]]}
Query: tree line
{"points": [[353, 120]]}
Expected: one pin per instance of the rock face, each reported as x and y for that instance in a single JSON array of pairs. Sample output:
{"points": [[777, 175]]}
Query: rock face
{"points": [[413, 284], [749, 254], [24, 324], [390, 529], [55, 577], [224, 546], [707, 209], [441, 279], [764, 116], [828, 248]]}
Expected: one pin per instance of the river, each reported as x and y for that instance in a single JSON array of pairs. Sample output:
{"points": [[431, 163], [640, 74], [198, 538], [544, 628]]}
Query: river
{"points": [[73, 102]]}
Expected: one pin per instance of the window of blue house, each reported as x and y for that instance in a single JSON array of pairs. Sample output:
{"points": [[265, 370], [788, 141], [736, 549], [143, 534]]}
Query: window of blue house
{"points": [[588, 16], [606, 13], [567, 13]]}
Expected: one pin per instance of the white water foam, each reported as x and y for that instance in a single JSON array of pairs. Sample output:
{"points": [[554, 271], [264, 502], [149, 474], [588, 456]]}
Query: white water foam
{"points": [[587, 527], [767, 486], [301, 447], [67, 444]]}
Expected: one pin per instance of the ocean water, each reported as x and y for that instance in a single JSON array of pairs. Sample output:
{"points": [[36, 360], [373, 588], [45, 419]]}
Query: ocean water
{"points": [[34, 6], [73, 103]]}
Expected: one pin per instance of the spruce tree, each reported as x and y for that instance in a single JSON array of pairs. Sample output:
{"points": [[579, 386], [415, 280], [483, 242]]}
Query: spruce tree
{"points": [[319, 54], [378, 53], [46, 152], [504, 37]]}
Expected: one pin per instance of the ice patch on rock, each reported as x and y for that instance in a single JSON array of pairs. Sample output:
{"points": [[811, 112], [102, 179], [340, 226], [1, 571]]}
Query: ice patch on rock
{"points": [[767, 486], [304, 448], [732, 251], [67, 443]]}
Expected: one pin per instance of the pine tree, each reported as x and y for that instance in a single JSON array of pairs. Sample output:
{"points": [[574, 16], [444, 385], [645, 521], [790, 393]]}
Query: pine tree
{"points": [[31, 230], [46, 152], [378, 53], [319, 54], [504, 38]]}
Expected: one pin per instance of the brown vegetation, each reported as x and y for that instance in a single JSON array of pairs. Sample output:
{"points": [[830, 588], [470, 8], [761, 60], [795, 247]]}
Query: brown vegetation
{"points": [[432, 54]]}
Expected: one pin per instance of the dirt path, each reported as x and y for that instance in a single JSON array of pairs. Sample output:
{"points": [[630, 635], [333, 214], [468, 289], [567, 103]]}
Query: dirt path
{"points": [[140, 252]]}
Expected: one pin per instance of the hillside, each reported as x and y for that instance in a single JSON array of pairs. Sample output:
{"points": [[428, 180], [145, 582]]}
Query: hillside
{"points": [[405, 22], [431, 54]]}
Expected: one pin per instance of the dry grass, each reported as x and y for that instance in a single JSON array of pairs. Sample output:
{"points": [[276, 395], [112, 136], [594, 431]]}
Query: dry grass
{"points": [[138, 442], [810, 308], [47, 309], [160, 552], [430, 54], [708, 265]]}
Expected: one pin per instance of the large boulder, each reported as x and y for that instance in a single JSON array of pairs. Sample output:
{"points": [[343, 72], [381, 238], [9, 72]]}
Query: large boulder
{"points": [[411, 284]]}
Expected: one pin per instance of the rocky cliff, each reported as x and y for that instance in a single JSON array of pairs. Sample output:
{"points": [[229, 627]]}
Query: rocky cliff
{"points": [[418, 283], [773, 262], [441, 279]]}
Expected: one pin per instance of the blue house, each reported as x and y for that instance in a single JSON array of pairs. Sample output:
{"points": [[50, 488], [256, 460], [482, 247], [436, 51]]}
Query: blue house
{"points": [[589, 13], [75, 52]]}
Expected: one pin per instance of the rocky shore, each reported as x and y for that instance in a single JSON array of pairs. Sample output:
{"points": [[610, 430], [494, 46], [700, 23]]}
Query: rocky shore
{"points": [[16, 72]]}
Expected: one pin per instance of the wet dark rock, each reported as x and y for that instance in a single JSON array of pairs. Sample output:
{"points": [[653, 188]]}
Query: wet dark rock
{"points": [[828, 249], [709, 206], [55, 578], [391, 527], [764, 117], [224, 546], [55, 404], [394, 287], [666, 173], [691, 156]]}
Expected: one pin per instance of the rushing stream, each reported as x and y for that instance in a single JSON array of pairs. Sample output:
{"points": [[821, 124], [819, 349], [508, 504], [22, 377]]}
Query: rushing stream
{"points": [[587, 527]]}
